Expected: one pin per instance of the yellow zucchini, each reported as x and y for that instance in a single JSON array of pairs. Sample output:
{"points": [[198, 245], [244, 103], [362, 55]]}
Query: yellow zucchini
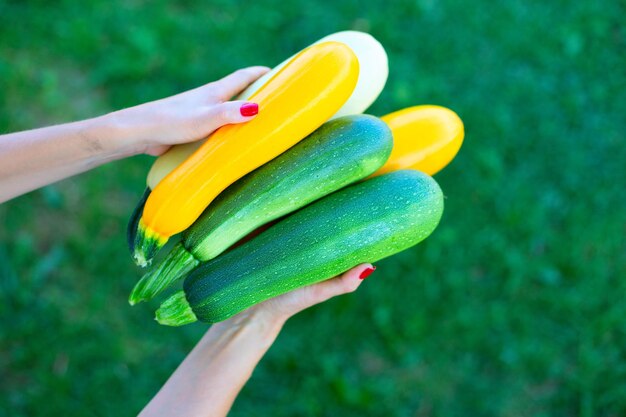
{"points": [[297, 100], [425, 138], [373, 71]]}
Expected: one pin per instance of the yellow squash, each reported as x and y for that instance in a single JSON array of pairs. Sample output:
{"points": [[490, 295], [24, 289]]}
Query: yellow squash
{"points": [[297, 100], [425, 138], [373, 71]]}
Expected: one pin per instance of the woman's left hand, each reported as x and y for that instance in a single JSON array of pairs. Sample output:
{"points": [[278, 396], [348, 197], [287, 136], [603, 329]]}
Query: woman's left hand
{"points": [[34, 158], [186, 117]]}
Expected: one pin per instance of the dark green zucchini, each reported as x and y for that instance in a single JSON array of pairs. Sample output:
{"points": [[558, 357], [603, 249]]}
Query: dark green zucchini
{"points": [[361, 223]]}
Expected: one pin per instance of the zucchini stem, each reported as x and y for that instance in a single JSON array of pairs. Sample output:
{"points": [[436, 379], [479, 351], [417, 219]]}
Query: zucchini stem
{"points": [[147, 244], [175, 311], [178, 263]]}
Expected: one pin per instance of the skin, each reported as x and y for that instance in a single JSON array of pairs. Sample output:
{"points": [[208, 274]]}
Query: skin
{"points": [[207, 382], [34, 158]]}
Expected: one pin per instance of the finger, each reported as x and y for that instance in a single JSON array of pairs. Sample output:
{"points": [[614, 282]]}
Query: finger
{"points": [[235, 83], [295, 301], [228, 113], [343, 284]]}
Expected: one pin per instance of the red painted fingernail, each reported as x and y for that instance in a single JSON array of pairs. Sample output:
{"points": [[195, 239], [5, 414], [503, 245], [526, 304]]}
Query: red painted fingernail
{"points": [[249, 109], [367, 272]]}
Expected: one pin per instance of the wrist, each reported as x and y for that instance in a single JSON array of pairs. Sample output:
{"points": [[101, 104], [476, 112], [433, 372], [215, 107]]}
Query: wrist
{"points": [[253, 323], [114, 135]]}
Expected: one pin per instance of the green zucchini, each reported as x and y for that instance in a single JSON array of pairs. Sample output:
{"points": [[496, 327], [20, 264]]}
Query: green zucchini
{"points": [[339, 153], [365, 222]]}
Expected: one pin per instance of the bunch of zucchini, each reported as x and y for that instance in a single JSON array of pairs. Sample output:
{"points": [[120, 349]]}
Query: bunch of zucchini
{"points": [[287, 200]]}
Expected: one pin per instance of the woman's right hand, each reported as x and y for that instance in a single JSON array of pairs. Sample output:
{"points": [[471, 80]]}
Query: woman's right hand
{"points": [[275, 311], [211, 376]]}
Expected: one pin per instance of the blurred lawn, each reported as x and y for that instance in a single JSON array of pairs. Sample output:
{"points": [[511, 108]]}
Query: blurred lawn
{"points": [[515, 306]]}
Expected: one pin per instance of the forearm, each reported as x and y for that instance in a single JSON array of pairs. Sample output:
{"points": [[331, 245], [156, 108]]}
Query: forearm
{"points": [[208, 380], [34, 158], [38, 157], [211, 376]]}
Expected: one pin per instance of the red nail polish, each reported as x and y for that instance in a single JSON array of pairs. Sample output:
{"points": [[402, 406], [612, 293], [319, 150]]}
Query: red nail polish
{"points": [[249, 109], [367, 272]]}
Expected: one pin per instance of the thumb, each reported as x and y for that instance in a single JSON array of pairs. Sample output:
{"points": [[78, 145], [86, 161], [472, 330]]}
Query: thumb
{"points": [[230, 112]]}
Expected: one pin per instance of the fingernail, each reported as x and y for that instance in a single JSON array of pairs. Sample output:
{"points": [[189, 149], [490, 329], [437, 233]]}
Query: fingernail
{"points": [[367, 272], [249, 109]]}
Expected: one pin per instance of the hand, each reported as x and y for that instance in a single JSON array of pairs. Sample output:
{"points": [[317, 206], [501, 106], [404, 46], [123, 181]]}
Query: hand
{"points": [[273, 313], [186, 117], [34, 158], [211, 376]]}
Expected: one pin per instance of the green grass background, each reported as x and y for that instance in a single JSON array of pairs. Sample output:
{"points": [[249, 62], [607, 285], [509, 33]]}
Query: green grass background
{"points": [[514, 307]]}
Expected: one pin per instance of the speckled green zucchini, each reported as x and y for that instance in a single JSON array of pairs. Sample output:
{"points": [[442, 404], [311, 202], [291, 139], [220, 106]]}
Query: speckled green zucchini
{"points": [[362, 223], [339, 153]]}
